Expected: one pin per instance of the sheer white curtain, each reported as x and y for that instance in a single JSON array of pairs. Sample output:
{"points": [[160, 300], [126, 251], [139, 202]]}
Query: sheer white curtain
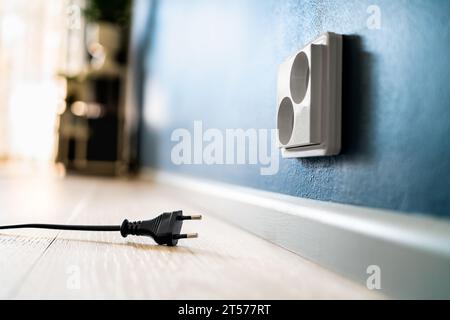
{"points": [[33, 51]]}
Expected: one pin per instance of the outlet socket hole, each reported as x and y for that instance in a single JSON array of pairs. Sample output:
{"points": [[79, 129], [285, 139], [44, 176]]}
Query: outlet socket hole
{"points": [[299, 77], [285, 121]]}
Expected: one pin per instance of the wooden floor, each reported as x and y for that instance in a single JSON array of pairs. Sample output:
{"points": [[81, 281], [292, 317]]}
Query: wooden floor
{"points": [[224, 263]]}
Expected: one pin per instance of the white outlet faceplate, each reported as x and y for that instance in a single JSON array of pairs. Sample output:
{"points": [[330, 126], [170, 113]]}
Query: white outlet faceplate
{"points": [[309, 99]]}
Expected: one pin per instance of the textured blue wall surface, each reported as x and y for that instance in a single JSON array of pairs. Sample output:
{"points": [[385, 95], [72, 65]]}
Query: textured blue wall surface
{"points": [[217, 61]]}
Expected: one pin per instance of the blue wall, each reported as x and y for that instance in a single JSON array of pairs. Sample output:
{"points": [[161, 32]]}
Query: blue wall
{"points": [[217, 61]]}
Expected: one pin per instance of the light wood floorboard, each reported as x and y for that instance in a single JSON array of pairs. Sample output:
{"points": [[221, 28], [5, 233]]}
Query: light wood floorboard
{"points": [[224, 263]]}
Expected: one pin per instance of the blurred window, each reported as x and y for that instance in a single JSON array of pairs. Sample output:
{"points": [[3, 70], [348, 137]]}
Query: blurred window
{"points": [[40, 44]]}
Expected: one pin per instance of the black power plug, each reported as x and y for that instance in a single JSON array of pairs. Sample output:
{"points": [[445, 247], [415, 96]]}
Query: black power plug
{"points": [[164, 229]]}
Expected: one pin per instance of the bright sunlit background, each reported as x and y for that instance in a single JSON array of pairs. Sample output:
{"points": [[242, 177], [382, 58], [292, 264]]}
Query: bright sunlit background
{"points": [[34, 38]]}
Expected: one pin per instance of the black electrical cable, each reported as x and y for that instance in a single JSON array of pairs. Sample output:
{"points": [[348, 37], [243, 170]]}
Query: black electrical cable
{"points": [[62, 227]]}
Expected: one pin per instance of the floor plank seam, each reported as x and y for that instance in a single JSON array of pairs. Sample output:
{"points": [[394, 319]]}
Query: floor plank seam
{"points": [[15, 291]]}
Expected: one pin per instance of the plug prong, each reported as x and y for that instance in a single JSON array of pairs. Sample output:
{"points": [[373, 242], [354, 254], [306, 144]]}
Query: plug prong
{"points": [[185, 236], [192, 236], [193, 217]]}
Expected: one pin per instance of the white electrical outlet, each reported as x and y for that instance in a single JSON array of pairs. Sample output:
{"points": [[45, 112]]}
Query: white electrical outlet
{"points": [[309, 99]]}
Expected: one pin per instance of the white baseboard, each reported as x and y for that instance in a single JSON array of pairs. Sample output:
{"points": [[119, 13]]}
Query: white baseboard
{"points": [[412, 251]]}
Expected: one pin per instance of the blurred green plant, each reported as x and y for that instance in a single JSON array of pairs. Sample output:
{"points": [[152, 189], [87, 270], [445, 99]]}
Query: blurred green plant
{"points": [[114, 11]]}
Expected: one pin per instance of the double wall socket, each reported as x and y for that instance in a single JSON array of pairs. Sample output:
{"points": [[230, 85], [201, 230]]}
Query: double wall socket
{"points": [[309, 99]]}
